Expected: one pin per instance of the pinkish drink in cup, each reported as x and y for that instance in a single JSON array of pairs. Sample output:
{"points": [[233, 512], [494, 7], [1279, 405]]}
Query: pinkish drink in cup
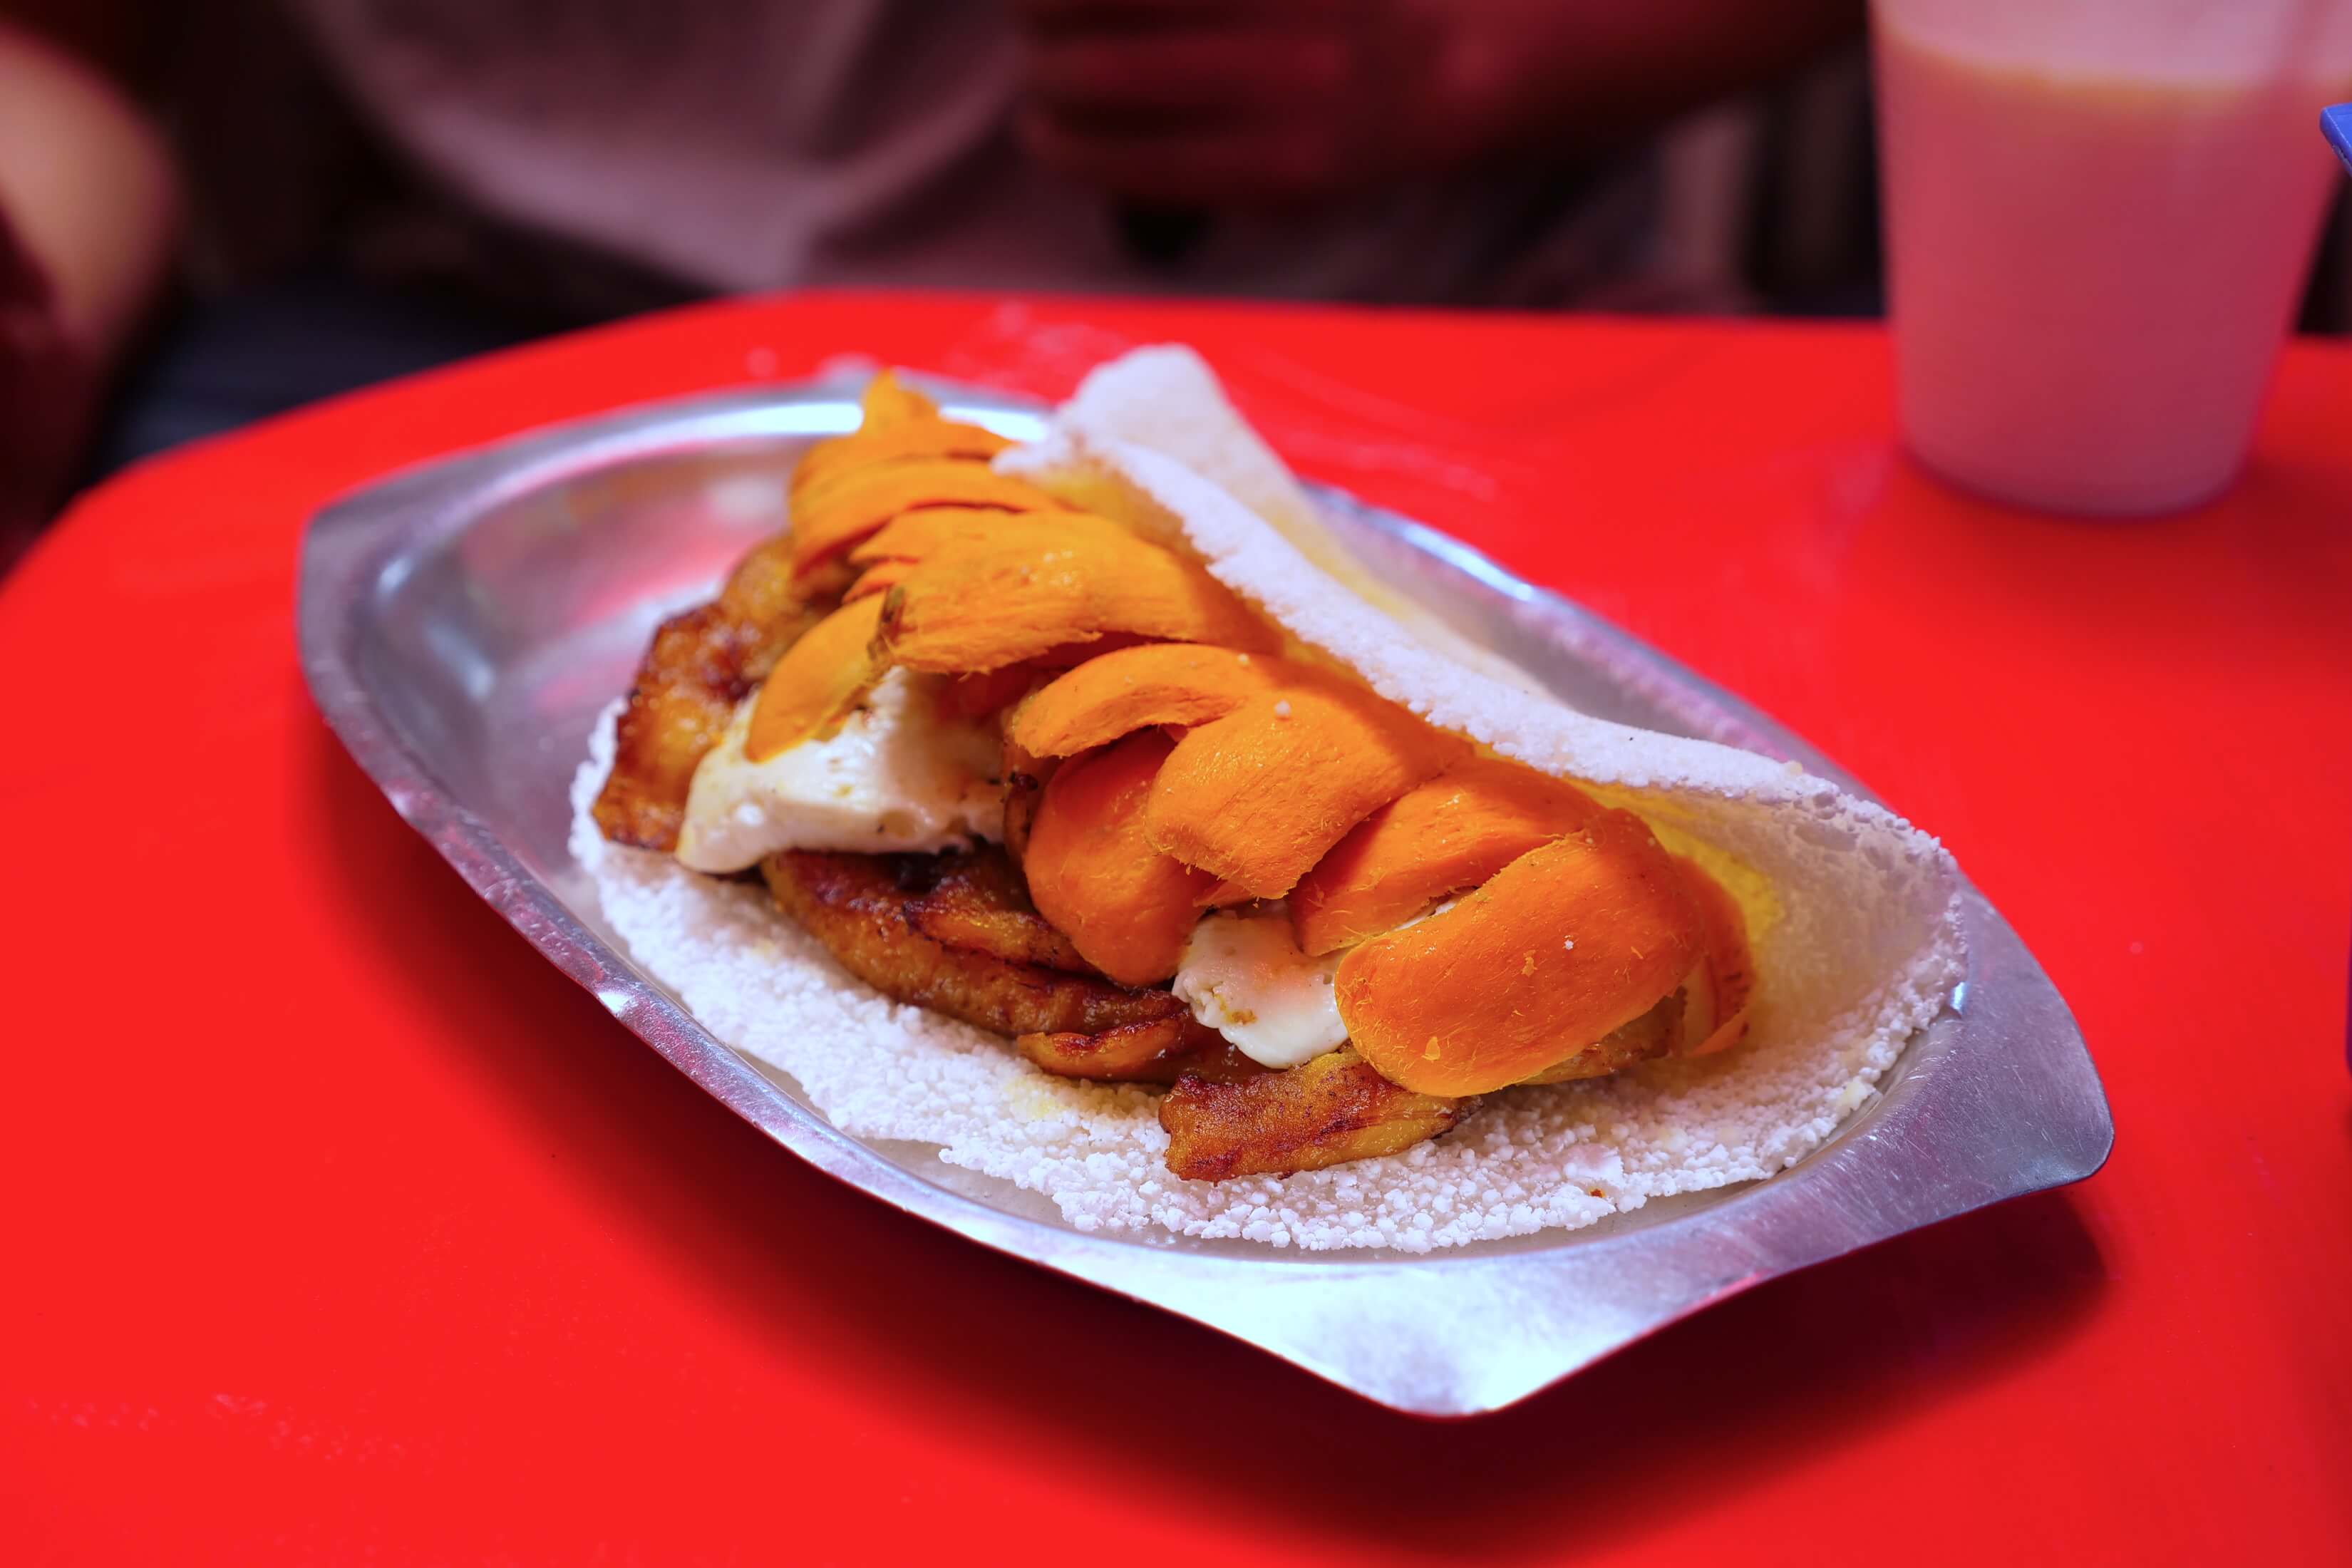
{"points": [[2100, 214]]}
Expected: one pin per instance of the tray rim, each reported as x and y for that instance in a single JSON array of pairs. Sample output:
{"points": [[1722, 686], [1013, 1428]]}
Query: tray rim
{"points": [[1688, 1261]]}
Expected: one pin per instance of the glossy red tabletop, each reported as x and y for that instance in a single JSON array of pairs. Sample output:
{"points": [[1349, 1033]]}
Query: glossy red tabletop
{"points": [[340, 1227]]}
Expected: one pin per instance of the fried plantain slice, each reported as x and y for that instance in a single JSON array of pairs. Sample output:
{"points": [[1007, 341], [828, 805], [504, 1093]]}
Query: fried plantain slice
{"points": [[856, 906], [1162, 1051], [1326, 1111], [685, 692], [699, 664], [974, 902], [762, 596]]}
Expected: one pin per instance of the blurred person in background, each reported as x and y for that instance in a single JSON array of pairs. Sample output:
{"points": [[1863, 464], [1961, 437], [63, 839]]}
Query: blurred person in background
{"points": [[333, 191], [88, 214]]}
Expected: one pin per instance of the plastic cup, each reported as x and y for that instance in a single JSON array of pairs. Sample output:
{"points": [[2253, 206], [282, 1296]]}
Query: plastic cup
{"points": [[2099, 217]]}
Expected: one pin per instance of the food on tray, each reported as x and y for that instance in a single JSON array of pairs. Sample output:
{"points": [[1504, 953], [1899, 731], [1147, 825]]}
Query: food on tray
{"points": [[1186, 785], [1069, 744]]}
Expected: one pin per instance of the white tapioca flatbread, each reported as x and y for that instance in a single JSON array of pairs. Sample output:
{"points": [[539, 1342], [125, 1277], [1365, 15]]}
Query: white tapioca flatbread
{"points": [[1857, 945]]}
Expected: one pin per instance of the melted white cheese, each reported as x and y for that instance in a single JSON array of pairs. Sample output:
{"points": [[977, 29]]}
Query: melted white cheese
{"points": [[1243, 977], [899, 776]]}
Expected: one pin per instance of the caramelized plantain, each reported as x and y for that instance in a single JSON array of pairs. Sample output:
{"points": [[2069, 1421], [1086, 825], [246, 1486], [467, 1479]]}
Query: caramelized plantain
{"points": [[699, 664], [760, 595], [856, 906], [1162, 1051], [1327, 1111], [974, 902]]}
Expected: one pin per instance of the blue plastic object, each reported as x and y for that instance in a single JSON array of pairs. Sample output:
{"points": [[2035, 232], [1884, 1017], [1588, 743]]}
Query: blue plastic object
{"points": [[2336, 124]]}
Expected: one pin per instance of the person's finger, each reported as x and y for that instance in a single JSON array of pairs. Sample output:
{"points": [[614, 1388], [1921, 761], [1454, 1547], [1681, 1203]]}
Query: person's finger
{"points": [[1216, 165], [1191, 72]]}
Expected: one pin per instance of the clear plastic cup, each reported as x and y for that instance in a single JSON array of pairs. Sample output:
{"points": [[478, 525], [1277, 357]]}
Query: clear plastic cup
{"points": [[2099, 217]]}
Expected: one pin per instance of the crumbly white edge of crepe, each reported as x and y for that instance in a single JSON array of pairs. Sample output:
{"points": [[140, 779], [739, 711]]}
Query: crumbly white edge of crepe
{"points": [[1865, 954]]}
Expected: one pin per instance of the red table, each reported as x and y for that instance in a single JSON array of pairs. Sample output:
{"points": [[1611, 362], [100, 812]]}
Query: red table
{"points": [[340, 1225]]}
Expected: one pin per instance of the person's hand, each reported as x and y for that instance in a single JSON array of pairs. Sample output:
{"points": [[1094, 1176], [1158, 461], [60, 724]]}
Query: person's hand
{"points": [[1218, 104], [1236, 102]]}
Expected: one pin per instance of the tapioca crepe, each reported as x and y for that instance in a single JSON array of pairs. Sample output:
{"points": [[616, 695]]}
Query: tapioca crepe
{"points": [[1852, 912]]}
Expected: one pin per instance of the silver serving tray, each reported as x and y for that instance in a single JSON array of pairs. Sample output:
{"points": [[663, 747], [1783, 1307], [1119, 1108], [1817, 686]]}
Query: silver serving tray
{"points": [[463, 623]]}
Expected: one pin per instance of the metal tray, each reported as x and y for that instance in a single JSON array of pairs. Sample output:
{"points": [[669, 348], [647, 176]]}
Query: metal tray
{"points": [[463, 623]]}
